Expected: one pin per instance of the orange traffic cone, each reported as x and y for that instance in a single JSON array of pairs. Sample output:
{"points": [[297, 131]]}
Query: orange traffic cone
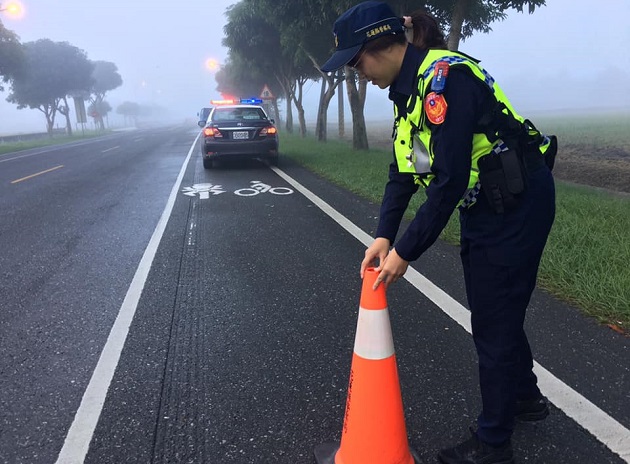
{"points": [[374, 429]]}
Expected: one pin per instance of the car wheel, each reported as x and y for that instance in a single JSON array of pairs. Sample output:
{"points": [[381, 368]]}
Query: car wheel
{"points": [[208, 163], [273, 161]]}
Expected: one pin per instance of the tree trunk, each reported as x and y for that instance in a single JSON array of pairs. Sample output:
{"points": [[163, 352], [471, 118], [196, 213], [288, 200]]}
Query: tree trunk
{"points": [[359, 130], [287, 87], [321, 120], [276, 110], [340, 109], [322, 112], [289, 121], [457, 21], [297, 99], [49, 111]]}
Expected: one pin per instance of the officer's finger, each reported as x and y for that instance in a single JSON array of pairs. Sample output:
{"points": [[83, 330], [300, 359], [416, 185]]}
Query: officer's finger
{"points": [[380, 279], [367, 261]]}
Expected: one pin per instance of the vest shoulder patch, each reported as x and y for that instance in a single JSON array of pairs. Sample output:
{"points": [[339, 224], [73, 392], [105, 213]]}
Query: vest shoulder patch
{"points": [[440, 73], [435, 107]]}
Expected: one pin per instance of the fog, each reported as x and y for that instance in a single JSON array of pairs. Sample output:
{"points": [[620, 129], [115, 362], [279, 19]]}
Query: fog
{"points": [[569, 55]]}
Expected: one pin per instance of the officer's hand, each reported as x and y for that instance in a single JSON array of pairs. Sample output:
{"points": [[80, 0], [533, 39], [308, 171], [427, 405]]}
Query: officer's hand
{"points": [[391, 269], [378, 250]]}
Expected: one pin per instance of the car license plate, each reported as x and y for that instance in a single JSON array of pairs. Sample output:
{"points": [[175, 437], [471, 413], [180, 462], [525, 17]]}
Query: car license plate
{"points": [[240, 135]]}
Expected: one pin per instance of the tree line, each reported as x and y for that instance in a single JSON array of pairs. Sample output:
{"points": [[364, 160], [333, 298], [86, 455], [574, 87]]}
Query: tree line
{"points": [[45, 75], [282, 43]]}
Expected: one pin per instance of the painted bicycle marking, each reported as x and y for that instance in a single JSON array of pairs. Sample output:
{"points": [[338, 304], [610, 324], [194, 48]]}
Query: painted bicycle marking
{"points": [[260, 187], [203, 191]]}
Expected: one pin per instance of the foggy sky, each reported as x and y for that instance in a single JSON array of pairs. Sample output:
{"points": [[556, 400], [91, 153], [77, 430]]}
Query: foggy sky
{"points": [[567, 55]]}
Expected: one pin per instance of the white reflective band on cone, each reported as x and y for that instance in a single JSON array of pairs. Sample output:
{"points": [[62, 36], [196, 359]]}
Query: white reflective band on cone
{"points": [[374, 339]]}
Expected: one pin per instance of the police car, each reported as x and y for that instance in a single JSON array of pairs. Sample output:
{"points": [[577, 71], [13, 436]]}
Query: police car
{"points": [[238, 131]]}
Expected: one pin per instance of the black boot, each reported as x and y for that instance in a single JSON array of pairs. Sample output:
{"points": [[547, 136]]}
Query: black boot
{"points": [[474, 451], [531, 410]]}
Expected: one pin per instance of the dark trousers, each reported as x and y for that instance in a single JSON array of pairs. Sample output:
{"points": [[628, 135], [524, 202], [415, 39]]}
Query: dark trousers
{"points": [[500, 255]]}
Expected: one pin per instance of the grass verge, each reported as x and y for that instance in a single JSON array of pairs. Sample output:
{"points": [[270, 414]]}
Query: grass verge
{"points": [[586, 259], [10, 147]]}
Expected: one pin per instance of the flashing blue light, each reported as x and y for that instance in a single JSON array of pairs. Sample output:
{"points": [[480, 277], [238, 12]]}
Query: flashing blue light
{"points": [[251, 101]]}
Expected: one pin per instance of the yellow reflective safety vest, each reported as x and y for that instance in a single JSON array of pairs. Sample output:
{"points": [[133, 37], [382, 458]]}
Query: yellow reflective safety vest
{"points": [[412, 135]]}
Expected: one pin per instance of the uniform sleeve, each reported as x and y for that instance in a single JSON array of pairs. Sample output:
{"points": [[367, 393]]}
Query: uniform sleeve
{"points": [[452, 148], [398, 191]]}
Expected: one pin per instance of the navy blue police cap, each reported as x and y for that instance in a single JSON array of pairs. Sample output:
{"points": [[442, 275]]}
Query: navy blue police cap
{"points": [[360, 24]]}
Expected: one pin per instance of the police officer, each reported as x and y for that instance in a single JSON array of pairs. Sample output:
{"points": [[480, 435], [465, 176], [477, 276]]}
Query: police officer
{"points": [[458, 136]]}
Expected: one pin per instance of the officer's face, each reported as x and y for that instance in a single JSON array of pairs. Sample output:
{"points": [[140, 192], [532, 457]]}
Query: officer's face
{"points": [[380, 68]]}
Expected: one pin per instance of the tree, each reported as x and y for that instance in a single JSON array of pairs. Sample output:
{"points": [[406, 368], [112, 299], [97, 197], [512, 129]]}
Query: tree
{"points": [[52, 71], [106, 78], [306, 30], [275, 35], [98, 110], [129, 110], [462, 18], [11, 56], [237, 78], [252, 34]]}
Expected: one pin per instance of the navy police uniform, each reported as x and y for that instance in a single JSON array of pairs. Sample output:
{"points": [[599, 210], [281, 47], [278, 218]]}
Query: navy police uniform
{"points": [[500, 252]]}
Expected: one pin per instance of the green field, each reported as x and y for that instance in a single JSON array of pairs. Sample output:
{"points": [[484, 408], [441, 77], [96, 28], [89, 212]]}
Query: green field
{"points": [[602, 131], [587, 255]]}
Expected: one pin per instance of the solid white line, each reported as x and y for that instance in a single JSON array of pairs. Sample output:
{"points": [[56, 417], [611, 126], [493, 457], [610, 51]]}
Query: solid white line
{"points": [[602, 426], [77, 442]]}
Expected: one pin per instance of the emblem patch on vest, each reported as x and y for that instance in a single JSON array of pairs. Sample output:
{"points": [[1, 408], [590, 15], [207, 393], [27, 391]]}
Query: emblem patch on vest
{"points": [[435, 107]]}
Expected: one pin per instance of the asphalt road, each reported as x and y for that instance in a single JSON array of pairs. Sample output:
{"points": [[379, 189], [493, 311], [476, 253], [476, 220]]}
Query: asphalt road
{"points": [[152, 311]]}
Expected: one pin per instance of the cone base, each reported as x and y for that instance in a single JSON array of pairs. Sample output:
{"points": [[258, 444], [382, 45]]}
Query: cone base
{"points": [[325, 453]]}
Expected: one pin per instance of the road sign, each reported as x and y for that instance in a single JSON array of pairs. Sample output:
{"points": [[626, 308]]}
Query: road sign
{"points": [[266, 93]]}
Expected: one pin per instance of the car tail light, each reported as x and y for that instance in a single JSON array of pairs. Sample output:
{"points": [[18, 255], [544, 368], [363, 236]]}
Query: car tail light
{"points": [[269, 131], [212, 132]]}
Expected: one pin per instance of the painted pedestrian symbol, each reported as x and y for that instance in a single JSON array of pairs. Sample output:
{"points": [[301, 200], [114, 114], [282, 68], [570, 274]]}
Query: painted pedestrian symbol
{"points": [[204, 190], [259, 187]]}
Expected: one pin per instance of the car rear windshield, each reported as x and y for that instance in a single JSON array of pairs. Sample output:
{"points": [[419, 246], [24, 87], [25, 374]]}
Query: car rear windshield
{"points": [[238, 114]]}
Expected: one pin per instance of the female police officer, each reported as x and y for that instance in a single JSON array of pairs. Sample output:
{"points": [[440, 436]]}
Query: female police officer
{"points": [[457, 135]]}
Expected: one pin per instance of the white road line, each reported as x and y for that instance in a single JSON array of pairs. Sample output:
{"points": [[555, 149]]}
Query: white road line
{"points": [[605, 428], [77, 442], [110, 149]]}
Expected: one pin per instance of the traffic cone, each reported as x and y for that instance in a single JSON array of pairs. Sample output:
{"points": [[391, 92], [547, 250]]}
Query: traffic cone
{"points": [[374, 429]]}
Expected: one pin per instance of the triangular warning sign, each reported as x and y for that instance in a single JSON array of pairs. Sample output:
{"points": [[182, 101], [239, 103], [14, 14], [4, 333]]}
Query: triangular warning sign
{"points": [[266, 93]]}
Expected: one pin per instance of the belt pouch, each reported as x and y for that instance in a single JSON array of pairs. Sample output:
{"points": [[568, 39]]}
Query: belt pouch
{"points": [[501, 178]]}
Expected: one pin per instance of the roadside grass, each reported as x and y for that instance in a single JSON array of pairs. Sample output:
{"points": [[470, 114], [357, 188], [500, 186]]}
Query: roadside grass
{"points": [[10, 147], [586, 261]]}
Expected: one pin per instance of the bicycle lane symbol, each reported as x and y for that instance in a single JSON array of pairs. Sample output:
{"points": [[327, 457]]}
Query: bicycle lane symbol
{"points": [[259, 187]]}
